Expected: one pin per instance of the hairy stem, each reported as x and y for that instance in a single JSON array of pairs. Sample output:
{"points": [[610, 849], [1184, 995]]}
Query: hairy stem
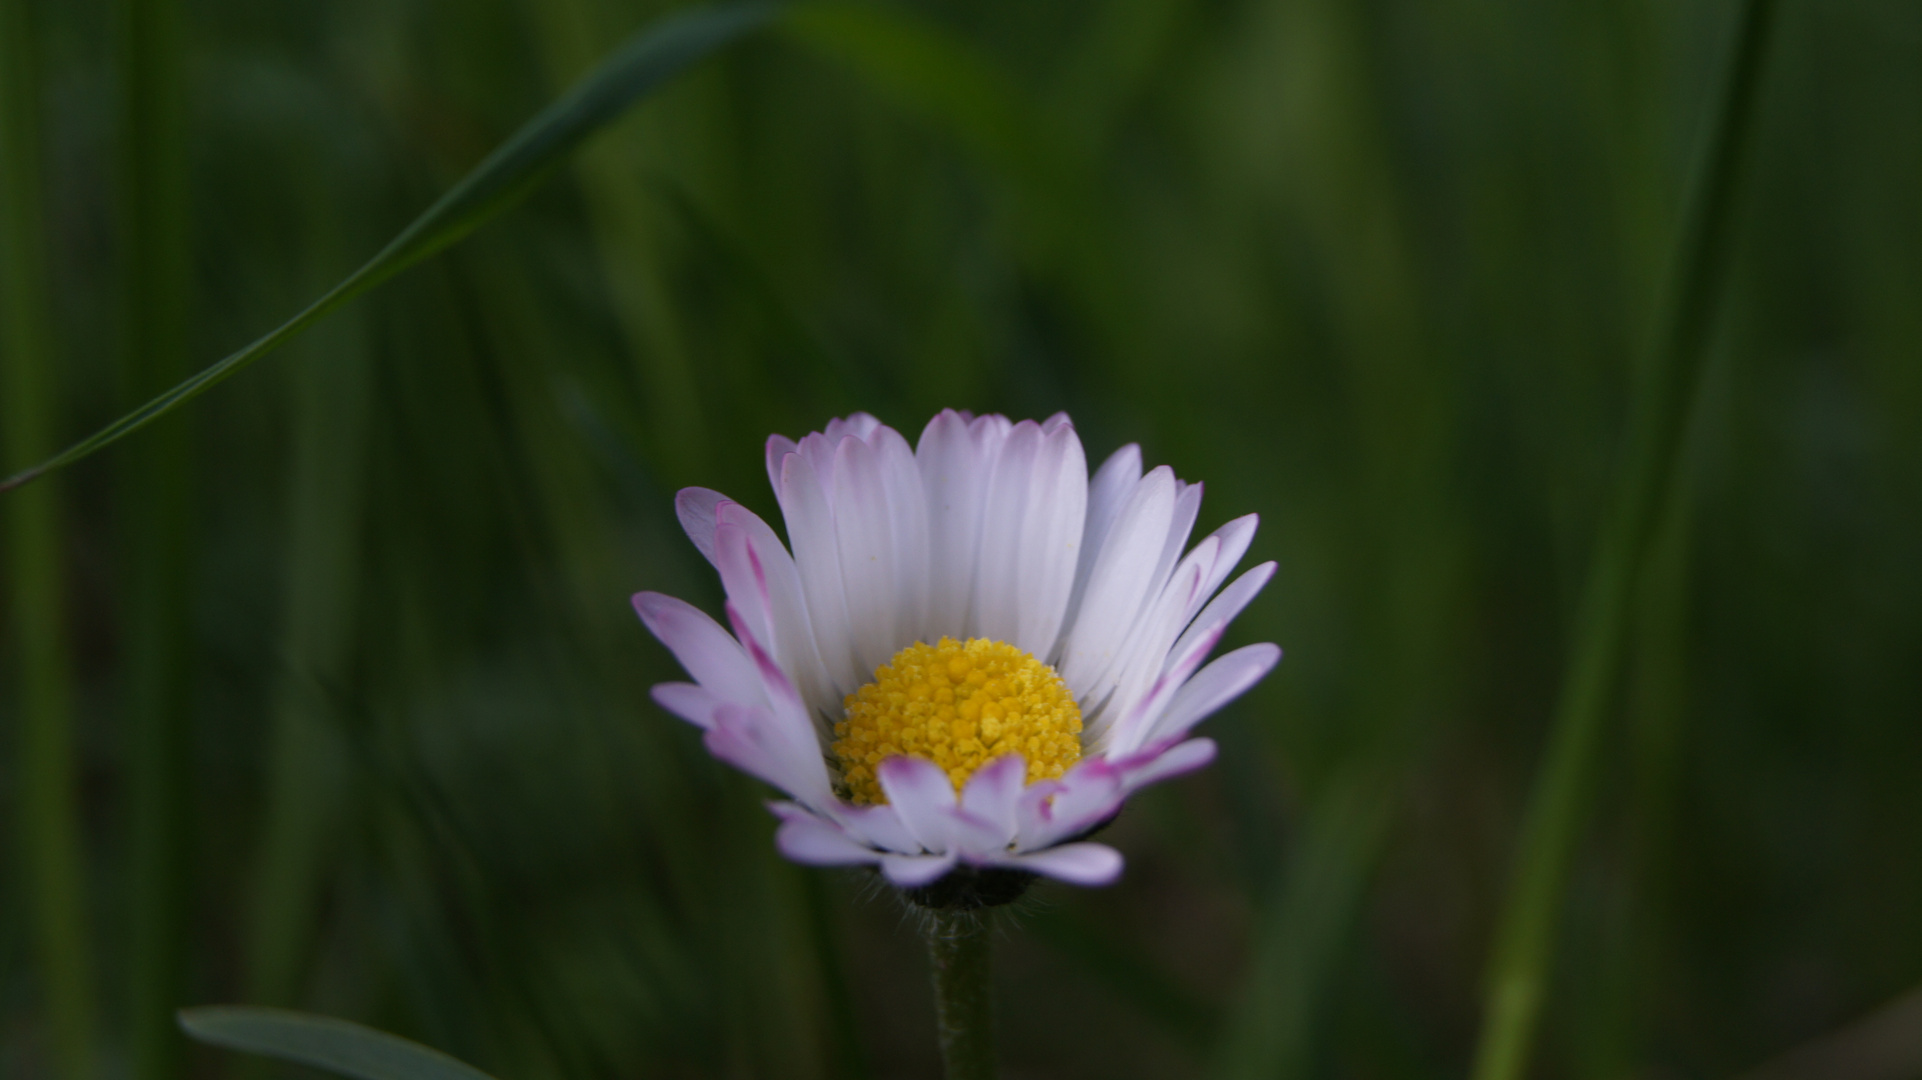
{"points": [[958, 948]]}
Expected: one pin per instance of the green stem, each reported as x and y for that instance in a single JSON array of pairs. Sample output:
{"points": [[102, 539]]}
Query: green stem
{"points": [[52, 863], [158, 528], [1559, 806], [958, 947]]}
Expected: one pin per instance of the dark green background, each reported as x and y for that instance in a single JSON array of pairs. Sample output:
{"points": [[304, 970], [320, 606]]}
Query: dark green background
{"points": [[1381, 271]]}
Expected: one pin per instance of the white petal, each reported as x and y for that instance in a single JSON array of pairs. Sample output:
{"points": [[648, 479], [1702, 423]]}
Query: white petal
{"points": [[859, 426], [1051, 539], [1082, 863], [923, 796], [865, 537], [1120, 582], [1187, 508], [695, 507], [954, 474], [813, 842], [817, 561], [908, 527], [1233, 539], [994, 791], [705, 651], [818, 450], [1111, 484], [1143, 658], [997, 586], [778, 448], [914, 871], [1212, 687]]}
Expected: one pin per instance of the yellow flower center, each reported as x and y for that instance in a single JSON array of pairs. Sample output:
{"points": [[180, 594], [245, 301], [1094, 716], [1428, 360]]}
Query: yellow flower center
{"points": [[960, 706]]}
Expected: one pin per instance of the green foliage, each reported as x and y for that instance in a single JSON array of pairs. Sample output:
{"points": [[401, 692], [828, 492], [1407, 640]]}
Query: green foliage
{"points": [[337, 1046], [1386, 274]]}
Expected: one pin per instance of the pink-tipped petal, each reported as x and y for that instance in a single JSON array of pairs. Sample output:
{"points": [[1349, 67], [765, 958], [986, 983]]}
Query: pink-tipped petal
{"points": [[1139, 670], [1223, 609], [914, 871], [752, 559], [757, 743], [812, 842], [993, 793], [877, 826], [1086, 864], [706, 651], [1166, 764], [1056, 810], [692, 703], [923, 797], [1212, 687], [1136, 726]]}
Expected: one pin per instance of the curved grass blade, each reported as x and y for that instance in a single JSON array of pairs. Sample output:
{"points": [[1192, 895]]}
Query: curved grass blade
{"points": [[510, 172], [1530, 920], [322, 1042]]}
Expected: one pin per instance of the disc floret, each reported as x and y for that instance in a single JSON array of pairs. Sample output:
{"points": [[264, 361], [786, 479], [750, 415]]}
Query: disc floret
{"points": [[959, 705]]}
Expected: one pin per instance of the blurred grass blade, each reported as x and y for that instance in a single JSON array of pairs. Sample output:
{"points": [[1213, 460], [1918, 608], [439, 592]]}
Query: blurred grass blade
{"points": [[49, 836], [924, 66], [1531, 912], [322, 1042], [1304, 931], [328, 407], [159, 529], [641, 66]]}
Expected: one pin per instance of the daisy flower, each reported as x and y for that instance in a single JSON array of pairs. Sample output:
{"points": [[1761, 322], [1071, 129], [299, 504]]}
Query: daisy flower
{"points": [[974, 654]]}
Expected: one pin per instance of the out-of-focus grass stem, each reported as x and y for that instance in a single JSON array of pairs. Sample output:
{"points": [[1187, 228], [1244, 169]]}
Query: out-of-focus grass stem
{"points": [[156, 526], [1345, 189], [327, 399], [628, 240], [1558, 807], [48, 831]]}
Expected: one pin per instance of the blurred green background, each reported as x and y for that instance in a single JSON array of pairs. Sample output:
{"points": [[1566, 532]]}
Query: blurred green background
{"points": [[324, 692]]}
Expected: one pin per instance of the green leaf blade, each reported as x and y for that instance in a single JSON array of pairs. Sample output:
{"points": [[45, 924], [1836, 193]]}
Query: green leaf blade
{"points": [[337, 1046], [649, 60]]}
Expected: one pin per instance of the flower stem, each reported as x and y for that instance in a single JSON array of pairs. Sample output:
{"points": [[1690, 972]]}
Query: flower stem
{"points": [[963, 996]]}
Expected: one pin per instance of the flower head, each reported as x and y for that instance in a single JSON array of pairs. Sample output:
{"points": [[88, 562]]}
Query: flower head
{"points": [[974, 654]]}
